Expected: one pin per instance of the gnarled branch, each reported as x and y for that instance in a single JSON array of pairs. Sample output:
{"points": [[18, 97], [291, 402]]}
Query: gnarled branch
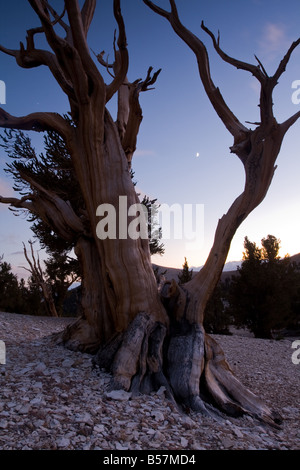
{"points": [[255, 70], [70, 59], [234, 126], [131, 119], [289, 122], [23, 203], [39, 278], [87, 14], [121, 56], [282, 66], [39, 122]]}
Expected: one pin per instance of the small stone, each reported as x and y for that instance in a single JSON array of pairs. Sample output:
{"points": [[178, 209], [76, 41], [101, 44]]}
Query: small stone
{"points": [[24, 410], [68, 363], [119, 395], [99, 428], [197, 446], [151, 431], [3, 424], [63, 442], [158, 436], [40, 368], [37, 385], [184, 442], [85, 418], [227, 442], [161, 391], [120, 447], [157, 415], [238, 433], [36, 401]]}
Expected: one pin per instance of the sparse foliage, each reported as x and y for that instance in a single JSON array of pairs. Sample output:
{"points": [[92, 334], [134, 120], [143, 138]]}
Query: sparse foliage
{"points": [[264, 293], [9, 292], [186, 274], [217, 319]]}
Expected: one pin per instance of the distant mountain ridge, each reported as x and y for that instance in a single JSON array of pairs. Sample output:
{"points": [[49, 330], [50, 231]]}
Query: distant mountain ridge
{"points": [[71, 304], [230, 268]]}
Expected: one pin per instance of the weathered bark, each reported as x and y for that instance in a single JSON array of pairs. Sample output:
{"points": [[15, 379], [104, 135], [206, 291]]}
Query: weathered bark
{"points": [[129, 284], [146, 337]]}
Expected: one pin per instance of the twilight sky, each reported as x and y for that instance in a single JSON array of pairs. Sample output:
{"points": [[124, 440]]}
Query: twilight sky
{"points": [[183, 154]]}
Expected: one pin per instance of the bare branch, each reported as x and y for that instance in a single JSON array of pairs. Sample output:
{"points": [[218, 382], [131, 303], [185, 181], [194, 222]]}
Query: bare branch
{"points": [[32, 57], [160, 11], [38, 122], [87, 14], [48, 206], [43, 13], [256, 71], [289, 122], [30, 37], [11, 52], [56, 209], [77, 28], [59, 19], [104, 63], [22, 203], [234, 126], [39, 278], [68, 57], [261, 66], [134, 116], [121, 56], [282, 66]]}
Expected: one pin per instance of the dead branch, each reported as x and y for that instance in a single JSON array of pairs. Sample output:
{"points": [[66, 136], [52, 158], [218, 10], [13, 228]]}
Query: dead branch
{"points": [[255, 70], [39, 122], [87, 14], [234, 126], [121, 56], [133, 118], [39, 278]]}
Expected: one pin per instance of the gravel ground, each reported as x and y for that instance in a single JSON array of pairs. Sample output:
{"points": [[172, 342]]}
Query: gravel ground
{"points": [[52, 398]]}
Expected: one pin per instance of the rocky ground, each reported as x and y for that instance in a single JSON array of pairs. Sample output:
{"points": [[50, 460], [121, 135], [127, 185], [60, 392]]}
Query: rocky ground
{"points": [[52, 398]]}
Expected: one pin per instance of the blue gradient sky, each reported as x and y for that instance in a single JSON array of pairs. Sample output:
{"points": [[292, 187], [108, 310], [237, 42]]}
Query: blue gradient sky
{"points": [[183, 148]]}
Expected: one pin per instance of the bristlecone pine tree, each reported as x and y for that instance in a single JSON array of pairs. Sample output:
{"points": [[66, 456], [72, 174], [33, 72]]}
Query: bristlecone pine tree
{"points": [[186, 274], [146, 336]]}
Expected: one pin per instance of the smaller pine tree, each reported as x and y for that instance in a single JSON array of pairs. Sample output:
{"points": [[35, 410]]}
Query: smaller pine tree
{"points": [[186, 273]]}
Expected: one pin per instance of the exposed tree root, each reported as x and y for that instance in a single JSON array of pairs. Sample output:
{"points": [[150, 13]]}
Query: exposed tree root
{"points": [[135, 357], [226, 390], [189, 363], [80, 336], [181, 357]]}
